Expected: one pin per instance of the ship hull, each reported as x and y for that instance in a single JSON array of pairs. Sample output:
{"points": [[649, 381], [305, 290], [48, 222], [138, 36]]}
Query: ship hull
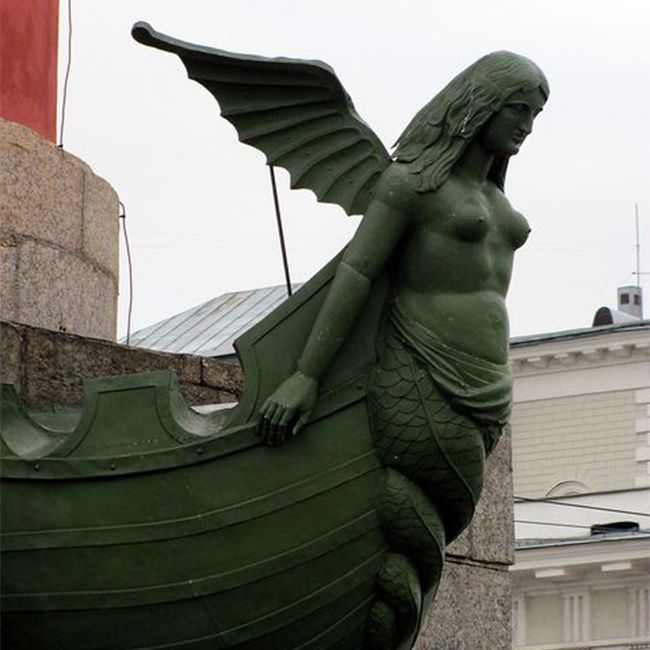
{"points": [[262, 548], [150, 526]]}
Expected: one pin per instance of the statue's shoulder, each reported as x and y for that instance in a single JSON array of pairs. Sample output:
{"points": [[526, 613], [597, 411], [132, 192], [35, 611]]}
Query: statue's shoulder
{"points": [[396, 187]]}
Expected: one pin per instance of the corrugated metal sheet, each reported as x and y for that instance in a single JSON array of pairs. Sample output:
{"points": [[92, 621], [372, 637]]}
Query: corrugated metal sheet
{"points": [[210, 329], [583, 332]]}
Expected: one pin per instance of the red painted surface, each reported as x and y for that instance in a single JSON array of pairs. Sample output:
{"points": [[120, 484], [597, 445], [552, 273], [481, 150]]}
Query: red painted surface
{"points": [[28, 58]]}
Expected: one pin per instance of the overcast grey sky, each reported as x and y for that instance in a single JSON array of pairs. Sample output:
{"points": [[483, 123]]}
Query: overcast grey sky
{"points": [[199, 205]]}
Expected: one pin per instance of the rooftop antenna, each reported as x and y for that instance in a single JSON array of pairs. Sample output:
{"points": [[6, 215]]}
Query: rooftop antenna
{"points": [[638, 246]]}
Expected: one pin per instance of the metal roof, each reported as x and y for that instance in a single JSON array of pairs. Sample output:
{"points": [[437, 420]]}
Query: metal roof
{"points": [[210, 328], [517, 341]]}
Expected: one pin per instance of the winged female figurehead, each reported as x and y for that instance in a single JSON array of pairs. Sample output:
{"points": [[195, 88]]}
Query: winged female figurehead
{"points": [[318, 515]]}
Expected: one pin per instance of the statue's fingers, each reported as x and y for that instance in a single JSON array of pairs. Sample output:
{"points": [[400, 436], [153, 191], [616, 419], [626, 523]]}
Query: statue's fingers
{"points": [[266, 420], [273, 437], [302, 420], [260, 424], [267, 403], [277, 415], [285, 421]]}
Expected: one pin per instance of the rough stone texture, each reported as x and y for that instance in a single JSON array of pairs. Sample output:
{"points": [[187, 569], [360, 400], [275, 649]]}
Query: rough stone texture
{"points": [[8, 275], [40, 187], [471, 610], [49, 367], [79, 297], [226, 376], [58, 238], [99, 201], [10, 355]]}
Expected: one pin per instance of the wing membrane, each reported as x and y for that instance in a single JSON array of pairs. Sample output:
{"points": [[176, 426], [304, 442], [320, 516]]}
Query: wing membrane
{"points": [[296, 112]]}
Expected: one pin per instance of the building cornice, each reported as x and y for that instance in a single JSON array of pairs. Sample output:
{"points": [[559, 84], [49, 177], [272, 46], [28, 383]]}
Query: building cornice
{"points": [[601, 348]]}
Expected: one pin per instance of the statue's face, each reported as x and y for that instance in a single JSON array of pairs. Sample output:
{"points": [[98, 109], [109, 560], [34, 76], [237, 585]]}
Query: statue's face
{"points": [[504, 133]]}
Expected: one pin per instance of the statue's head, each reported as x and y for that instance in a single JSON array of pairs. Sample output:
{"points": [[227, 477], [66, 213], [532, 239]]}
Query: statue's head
{"points": [[439, 133]]}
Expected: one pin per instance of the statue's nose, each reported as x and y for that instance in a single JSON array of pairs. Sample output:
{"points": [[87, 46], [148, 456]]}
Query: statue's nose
{"points": [[527, 124]]}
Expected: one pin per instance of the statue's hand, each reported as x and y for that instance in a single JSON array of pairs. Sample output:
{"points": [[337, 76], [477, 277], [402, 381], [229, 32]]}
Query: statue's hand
{"points": [[287, 410]]}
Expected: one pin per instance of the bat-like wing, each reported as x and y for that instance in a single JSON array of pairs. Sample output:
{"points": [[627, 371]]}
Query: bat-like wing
{"points": [[295, 111]]}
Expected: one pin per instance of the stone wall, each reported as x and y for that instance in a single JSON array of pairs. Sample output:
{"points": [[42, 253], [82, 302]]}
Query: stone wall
{"points": [[472, 609], [58, 238], [49, 367]]}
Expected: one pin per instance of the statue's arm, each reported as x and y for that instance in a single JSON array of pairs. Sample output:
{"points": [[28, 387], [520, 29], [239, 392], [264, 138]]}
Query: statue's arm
{"points": [[380, 230]]}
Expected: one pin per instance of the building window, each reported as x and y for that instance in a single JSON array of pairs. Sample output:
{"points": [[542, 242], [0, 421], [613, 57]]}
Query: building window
{"points": [[568, 489], [625, 299], [576, 616], [639, 611]]}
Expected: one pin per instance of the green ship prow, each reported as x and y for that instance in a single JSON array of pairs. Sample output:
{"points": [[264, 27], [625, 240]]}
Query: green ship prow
{"points": [[139, 523]]}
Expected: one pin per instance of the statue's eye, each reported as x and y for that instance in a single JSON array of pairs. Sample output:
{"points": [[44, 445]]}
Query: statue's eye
{"points": [[518, 107]]}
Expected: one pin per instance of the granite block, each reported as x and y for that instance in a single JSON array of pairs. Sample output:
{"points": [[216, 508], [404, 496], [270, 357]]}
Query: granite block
{"points": [[76, 292], [194, 394], [472, 611], [40, 187], [189, 369], [53, 366], [223, 375], [8, 284], [10, 355], [63, 273], [100, 223]]}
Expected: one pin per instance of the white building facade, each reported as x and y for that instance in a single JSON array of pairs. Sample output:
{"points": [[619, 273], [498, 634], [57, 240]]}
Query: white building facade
{"points": [[581, 459]]}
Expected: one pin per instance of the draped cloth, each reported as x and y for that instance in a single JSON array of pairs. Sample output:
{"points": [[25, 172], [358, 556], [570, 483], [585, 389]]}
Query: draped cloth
{"points": [[479, 388]]}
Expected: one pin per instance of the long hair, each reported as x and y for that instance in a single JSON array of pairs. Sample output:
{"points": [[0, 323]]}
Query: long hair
{"points": [[437, 136]]}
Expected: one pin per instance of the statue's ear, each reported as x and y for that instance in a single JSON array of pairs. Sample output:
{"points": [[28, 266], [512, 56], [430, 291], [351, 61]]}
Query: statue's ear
{"points": [[296, 112]]}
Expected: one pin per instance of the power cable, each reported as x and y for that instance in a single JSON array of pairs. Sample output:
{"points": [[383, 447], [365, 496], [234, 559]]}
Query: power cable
{"points": [[122, 218], [583, 506], [64, 99], [601, 527], [553, 523]]}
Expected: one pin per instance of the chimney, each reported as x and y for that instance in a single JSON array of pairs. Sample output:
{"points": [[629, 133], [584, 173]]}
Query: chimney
{"points": [[630, 301]]}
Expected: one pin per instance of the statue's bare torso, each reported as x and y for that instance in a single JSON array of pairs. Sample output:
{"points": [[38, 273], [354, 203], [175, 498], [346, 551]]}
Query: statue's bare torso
{"points": [[455, 264]]}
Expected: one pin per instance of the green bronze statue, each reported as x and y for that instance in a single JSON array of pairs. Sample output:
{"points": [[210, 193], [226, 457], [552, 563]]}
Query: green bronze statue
{"points": [[382, 385], [440, 226]]}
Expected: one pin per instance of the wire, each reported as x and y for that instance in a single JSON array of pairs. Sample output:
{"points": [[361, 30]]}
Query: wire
{"points": [[601, 527], [122, 217], [583, 506], [552, 523], [64, 99]]}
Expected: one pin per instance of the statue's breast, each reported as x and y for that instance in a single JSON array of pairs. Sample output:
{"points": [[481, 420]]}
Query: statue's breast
{"points": [[458, 212], [471, 225], [516, 228], [468, 218]]}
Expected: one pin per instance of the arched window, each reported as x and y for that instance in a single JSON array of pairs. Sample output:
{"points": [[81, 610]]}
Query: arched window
{"points": [[568, 489]]}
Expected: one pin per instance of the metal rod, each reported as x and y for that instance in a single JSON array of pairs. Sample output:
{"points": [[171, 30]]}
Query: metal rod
{"points": [[278, 218], [638, 246]]}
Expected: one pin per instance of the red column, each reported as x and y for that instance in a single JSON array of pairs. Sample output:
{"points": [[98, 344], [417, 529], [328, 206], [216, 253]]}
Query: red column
{"points": [[28, 58]]}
